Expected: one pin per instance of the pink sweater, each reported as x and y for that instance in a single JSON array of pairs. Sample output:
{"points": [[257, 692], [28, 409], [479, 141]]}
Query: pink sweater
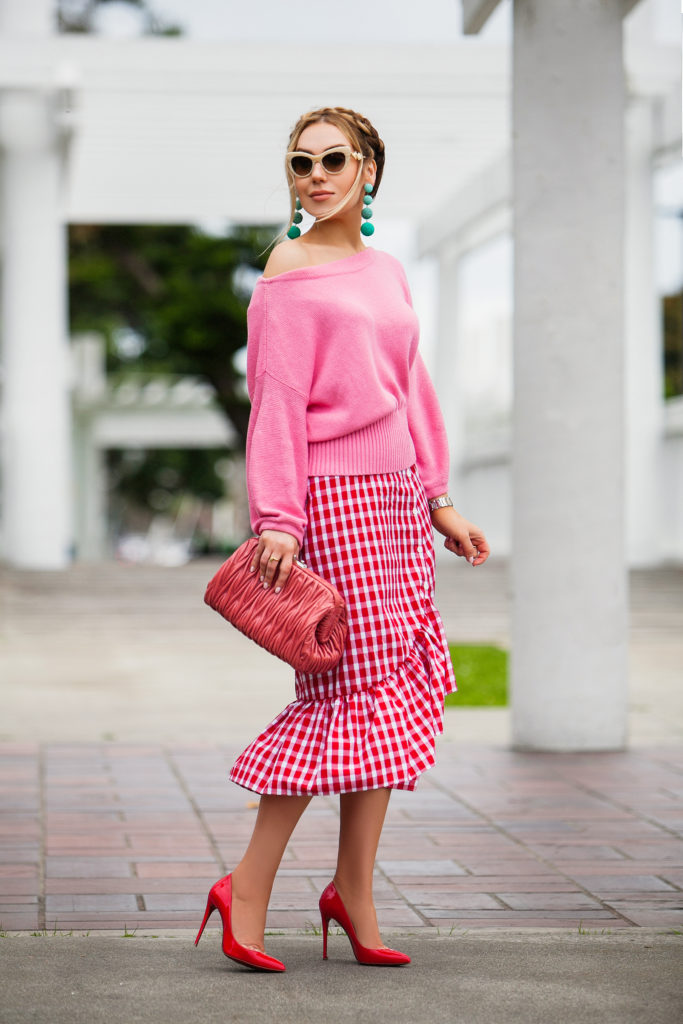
{"points": [[337, 385]]}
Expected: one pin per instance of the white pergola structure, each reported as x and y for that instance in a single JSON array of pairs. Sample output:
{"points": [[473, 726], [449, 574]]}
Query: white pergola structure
{"points": [[170, 131], [173, 131]]}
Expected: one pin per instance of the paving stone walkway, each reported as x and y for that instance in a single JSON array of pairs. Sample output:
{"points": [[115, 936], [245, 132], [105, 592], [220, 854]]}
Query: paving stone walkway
{"points": [[112, 837], [125, 701]]}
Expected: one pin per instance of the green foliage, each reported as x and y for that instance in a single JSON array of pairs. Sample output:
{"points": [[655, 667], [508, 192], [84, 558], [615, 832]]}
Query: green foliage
{"points": [[481, 673], [169, 301], [172, 288], [152, 478]]}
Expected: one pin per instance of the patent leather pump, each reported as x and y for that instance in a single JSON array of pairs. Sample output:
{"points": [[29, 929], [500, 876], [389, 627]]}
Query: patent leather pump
{"points": [[332, 908], [220, 899]]}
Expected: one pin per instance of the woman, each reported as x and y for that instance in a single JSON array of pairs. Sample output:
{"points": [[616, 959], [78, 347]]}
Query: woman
{"points": [[347, 463]]}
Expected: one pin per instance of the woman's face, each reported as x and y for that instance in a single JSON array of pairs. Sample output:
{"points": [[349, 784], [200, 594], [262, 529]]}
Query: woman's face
{"points": [[321, 191]]}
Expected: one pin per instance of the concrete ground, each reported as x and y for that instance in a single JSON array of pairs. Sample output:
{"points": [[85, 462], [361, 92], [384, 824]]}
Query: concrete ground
{"points": [[526, 887], [482, 978]]}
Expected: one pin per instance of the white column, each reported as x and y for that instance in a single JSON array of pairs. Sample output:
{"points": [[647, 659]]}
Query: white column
{"points": [[91, 483], [35, 425], [569, 661], [448, 379], [644, 369], [90, 470]]}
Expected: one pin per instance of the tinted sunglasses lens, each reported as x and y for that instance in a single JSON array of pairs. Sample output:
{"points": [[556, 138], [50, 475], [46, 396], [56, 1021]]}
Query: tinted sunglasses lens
{"points": [[335, 161], [301, 165]]}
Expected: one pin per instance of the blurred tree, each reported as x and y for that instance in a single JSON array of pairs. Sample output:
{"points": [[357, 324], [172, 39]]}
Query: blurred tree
{"points": [[81, 15], [153, 479], [672, 317], [170, 300], [167, 300]]}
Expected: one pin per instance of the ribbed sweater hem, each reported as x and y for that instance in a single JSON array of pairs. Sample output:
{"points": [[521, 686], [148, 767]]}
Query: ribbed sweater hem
{"points": [[382, 447]]}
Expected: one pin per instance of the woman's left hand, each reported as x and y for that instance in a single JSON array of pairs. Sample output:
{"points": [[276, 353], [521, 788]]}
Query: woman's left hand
{"points": [[462, 537]]}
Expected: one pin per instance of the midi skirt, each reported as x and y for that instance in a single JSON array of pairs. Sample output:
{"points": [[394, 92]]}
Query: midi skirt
{"points": [[372, 721]]}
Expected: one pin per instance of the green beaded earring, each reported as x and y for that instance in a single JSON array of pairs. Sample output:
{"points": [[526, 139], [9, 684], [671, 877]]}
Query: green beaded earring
{"points": [[295, 231], [366, 227]]}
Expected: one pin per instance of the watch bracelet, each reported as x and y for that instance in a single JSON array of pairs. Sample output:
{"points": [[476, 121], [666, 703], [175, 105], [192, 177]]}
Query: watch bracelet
{"points": [[443, 501]]}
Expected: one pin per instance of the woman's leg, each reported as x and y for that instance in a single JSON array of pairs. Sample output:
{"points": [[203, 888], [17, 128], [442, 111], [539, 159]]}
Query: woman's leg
{"points": [[252, 879], [361, 820]]}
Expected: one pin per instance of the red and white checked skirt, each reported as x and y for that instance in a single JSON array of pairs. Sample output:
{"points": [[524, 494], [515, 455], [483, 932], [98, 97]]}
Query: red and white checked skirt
{"points": [[372, 721]]}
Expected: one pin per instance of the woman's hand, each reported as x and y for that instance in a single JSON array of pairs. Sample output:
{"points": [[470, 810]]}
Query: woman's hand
{"points": [[462, 537], [273, 558]]}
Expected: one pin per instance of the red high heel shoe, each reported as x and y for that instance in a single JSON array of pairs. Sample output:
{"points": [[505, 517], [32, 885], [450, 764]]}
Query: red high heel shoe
{"points": [[332, 908], [220, 899]]}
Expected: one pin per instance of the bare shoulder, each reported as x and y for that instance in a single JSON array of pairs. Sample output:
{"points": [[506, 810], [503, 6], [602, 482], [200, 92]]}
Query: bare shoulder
{"points": [[289, 255]]}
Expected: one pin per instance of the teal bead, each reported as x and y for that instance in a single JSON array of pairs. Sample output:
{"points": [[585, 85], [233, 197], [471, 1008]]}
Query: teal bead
{"points": [[367, 228], [298, 217], [294, 231], [368, 187], [367, 200], [297, 204], [366, 213]]}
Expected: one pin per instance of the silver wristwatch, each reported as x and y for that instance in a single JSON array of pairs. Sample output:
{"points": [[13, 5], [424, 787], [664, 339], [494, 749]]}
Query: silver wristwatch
{"points": [[443, 502]]}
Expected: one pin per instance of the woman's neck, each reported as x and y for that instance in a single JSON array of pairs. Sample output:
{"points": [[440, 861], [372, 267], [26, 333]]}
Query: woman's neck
{"points": [[334, 236]]}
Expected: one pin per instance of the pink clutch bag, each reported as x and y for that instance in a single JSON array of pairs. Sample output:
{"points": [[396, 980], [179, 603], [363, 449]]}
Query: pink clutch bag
{"points": [[304, 625]]}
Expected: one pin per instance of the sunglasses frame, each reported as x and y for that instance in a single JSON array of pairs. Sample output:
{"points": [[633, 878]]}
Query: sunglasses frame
{"points": [[317, 158]]}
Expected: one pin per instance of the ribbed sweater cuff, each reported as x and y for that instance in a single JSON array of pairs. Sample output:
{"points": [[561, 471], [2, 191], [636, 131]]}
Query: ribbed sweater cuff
{"points": [[382, 447]]}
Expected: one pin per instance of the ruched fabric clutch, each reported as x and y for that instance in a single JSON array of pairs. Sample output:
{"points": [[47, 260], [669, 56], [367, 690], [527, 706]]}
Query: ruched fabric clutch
{"points": [[304, 625]]}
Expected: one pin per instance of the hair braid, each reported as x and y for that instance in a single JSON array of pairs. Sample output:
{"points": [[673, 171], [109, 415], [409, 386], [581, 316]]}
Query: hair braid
{"points": [[360, 132], [368, 133]]}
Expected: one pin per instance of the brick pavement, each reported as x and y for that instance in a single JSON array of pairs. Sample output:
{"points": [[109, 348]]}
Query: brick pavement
{"points": [[109, 836], [130, 834]]}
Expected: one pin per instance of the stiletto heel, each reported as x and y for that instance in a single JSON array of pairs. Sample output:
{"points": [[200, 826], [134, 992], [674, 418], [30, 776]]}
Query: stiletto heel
{"points": [[326, 922], [220, 899], [209, 911], [331, 907]]}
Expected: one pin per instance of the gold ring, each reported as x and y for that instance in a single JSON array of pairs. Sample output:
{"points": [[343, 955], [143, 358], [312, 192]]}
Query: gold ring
{"points": [[273, 558]]}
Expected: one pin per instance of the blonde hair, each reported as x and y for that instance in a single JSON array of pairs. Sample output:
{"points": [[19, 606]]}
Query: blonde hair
{"points": [[363, 138]]}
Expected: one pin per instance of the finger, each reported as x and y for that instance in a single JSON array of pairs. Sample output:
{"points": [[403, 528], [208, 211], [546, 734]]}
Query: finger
{"points": [[258, 551], [283, 573], [465, 546], [484, 552], [269, 565], [462, 547]]}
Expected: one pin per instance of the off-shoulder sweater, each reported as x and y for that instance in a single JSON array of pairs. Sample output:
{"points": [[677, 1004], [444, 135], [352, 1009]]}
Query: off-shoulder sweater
{"points": [[337, 385]]}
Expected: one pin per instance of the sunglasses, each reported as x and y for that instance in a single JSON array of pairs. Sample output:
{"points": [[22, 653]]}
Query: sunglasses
{"points": [[333, 161]]}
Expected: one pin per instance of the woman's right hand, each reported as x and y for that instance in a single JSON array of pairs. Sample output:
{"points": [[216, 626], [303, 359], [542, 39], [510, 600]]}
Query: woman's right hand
{"points": [[273, 558]]}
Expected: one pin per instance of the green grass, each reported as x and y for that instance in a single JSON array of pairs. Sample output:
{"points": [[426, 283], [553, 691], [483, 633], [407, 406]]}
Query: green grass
{"points": [[481, 672]]}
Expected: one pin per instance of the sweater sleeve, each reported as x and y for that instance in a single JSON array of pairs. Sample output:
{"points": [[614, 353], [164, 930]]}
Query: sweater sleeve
{"points": [[427, 430], [279, 370], [277, 458]]}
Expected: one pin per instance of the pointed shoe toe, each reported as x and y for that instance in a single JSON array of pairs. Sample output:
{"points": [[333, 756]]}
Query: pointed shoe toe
{"points": [[253, 958], [383, 957]]}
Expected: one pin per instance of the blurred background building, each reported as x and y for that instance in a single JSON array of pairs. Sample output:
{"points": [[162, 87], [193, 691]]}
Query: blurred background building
{"points": [[117, 126], [542, 129]]}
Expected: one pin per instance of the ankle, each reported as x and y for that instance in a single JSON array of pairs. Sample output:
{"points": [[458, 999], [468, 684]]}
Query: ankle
{"points": [[247, 889], [360, 908], [350, 889]]}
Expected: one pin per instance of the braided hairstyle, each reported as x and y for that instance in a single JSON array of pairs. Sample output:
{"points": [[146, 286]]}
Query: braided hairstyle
{"points": [[362, 136]]}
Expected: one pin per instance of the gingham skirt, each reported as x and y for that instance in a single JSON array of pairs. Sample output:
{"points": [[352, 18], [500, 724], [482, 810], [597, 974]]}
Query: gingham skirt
{"points": [[372, 721]]}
